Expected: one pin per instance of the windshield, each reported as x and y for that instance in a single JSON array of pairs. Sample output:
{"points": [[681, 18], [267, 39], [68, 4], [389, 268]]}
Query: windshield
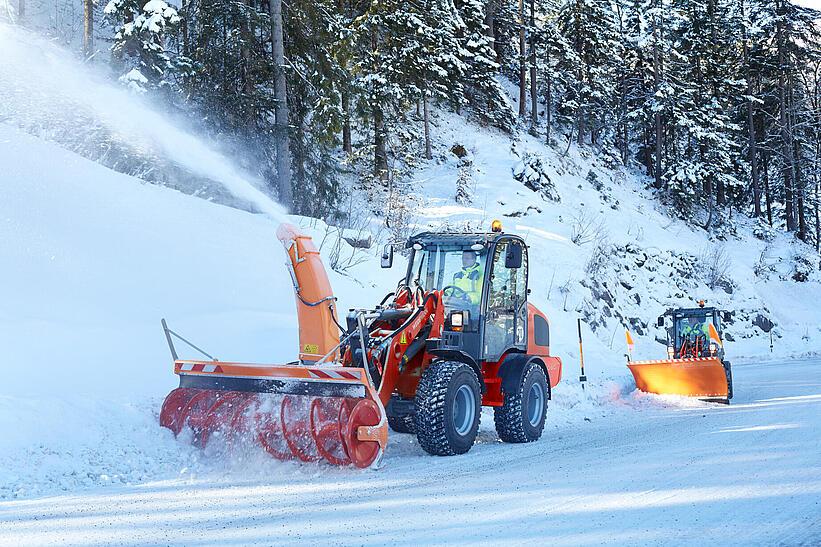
{"points": [[691, 326], [435, 267]]}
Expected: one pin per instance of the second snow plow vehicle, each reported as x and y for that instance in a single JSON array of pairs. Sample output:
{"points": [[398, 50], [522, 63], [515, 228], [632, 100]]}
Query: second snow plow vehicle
{"points": [[695, 364], [458, 333]]}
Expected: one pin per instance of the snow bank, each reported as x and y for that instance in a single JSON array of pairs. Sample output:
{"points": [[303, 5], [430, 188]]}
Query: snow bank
{"points": [[92, 260]]}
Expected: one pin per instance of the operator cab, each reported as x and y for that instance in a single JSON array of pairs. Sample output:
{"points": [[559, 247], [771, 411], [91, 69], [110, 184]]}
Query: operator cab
{"points": [[690, 331], [483, 279]]}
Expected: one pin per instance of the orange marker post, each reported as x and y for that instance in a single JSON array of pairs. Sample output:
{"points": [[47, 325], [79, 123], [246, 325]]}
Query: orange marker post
{"points": [[582, 377], [630, 345]]}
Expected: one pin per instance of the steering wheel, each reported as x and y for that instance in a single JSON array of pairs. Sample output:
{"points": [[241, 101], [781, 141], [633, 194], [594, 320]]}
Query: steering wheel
{"points": [[455, 295], [455, 292]]}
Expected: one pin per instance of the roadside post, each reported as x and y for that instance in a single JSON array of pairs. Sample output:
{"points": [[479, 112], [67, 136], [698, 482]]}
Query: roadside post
{"points": [[630, 345], [582, 377]]}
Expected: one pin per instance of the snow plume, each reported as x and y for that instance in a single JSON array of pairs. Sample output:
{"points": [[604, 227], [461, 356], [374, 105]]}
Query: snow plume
{"points": [[48, 92]]}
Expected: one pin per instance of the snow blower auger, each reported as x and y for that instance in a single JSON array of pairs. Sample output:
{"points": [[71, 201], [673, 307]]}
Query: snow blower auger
{"points": [[457, 333], [695, 364]]}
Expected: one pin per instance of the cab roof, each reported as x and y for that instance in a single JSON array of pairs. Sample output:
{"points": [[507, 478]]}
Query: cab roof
{"points": [[457, 239], [689, 312]]}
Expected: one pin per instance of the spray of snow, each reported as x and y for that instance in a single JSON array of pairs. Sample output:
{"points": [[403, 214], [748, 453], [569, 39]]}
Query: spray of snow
{"points": [[42, 84]]}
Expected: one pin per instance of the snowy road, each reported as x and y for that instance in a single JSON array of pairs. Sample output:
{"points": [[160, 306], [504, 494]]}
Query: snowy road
{"points": [[746, 474]]}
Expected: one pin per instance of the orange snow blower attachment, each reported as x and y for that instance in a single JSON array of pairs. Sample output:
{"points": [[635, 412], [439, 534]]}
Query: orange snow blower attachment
{"points": [[311, 410], [695, 366]]}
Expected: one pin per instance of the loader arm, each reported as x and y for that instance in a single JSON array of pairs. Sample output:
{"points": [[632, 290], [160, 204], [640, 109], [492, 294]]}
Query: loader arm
{"points": [[409, 340]]}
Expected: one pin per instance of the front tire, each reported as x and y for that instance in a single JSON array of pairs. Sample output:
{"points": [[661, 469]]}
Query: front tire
{"points": [[521, 418], [448, 406]]}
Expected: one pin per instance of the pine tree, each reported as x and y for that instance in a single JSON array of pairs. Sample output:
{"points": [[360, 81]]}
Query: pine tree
{"points": [[139, 41], [590, 27], [482, 90]]}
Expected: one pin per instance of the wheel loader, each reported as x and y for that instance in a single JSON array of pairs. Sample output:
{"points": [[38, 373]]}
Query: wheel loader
{"points": [[695, 364], [458, 333]]}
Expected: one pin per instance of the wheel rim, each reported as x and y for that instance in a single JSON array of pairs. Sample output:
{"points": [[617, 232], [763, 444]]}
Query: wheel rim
{"points": [[535, 405], [464, 410]]}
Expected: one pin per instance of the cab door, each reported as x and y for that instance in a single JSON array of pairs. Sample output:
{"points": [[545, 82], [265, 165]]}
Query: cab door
{"points": [[505, 324]]}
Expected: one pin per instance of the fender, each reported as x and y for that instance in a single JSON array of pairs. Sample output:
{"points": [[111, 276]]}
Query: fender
{"points": [[457, 355], [513, 367]]}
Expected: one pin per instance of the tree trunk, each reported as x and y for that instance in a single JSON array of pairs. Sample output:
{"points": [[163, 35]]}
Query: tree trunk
{"points": [[88, 28], [580, 80], [786, 148], [548, 108], [347, 144], [286, 195], [490, 19], [490, 30], [657, 115], [380, 154], [534, 103], [751, 140], [817, 216], [247, 34], [425, 108], [768, 200], [522, 62], [799, 194], [490, 24], [186, 46]]}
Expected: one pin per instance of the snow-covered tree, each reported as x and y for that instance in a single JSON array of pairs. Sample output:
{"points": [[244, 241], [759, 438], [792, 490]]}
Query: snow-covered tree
{"points": [[140, 40]]}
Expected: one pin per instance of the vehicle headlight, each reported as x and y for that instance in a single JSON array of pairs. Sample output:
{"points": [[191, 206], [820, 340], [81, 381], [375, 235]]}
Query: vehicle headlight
{"points": [[458, 319]]}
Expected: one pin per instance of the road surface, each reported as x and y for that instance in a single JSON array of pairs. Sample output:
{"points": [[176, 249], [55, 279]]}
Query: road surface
{"points": [[636, 473]]}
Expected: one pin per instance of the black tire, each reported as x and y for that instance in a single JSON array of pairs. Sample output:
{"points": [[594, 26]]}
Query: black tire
{"points": [[521, 418], [729, 372], [402, 424], [448, 407]]}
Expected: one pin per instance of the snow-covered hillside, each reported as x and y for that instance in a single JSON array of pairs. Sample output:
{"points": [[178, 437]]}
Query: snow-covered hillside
{"points": [[604, 249]]}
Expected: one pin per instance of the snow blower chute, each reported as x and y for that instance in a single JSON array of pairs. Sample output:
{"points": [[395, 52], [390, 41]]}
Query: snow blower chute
{"points": [[695, 364], [457, 333]]}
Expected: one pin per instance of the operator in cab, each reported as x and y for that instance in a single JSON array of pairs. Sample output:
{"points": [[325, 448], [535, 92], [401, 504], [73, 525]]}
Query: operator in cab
{"points": [[469, 278], [694, 327]]}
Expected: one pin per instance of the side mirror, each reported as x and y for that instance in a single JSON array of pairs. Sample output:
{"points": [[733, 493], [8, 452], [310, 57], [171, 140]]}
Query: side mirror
{"points": [[727, 317], [513, 256], [387, 256], [660, 321]]}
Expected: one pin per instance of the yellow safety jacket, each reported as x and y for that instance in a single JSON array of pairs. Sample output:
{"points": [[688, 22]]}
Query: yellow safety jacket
{"points": [[697, 330], [470, 280]]}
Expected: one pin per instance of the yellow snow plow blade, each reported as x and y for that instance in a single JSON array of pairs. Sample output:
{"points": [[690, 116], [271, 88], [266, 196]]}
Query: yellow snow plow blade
{"points": [[702, 377]]}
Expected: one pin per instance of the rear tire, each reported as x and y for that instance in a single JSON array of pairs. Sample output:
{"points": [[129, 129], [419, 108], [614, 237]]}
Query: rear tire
{"points": [[521, 418], [448, 407]]}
